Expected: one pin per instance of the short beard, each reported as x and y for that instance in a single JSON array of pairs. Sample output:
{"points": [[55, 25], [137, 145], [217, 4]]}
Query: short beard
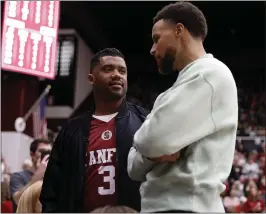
{"points": [[167, 64], [108, 95]]}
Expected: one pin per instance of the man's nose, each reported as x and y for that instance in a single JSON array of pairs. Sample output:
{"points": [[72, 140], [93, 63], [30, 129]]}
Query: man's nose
{"points": [[153, 48], [116, 74]]}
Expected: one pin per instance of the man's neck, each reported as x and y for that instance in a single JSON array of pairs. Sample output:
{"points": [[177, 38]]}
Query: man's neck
{"points": [[194, 51], [105, 108]]}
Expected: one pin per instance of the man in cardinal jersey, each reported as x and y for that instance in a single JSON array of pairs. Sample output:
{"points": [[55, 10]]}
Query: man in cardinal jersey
{"points": [[87, 168]]}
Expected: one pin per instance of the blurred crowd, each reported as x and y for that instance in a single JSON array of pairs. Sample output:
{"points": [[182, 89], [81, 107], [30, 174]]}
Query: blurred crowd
{"points": [[246, 184], [6, 204], [245, 187]]}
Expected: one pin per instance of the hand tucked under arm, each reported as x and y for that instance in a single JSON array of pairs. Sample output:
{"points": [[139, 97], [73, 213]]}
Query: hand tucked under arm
{"points": [[166, 158], [138, 166]]}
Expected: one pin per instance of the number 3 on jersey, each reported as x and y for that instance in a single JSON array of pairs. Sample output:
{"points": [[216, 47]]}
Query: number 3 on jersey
{"points": [[107, 179]]}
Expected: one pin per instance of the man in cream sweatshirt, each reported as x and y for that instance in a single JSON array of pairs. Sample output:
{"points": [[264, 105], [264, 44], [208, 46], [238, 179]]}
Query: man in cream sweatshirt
{"points": [[184, 150]]}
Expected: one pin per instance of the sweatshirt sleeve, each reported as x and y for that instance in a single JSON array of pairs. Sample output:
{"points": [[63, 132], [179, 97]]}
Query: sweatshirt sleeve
{"points": [[138, 166], [187, 114]]}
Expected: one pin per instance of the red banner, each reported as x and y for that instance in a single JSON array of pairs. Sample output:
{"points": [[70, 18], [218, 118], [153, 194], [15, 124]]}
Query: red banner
{"points": [[29, 37]]}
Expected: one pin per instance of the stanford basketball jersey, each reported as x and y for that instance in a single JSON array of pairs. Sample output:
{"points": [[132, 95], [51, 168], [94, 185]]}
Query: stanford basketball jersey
{"points": [[100, 186]]}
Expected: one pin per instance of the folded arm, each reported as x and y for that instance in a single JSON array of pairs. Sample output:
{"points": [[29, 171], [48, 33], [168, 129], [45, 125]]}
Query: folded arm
{"points": [[187, 114], [138, 166]]}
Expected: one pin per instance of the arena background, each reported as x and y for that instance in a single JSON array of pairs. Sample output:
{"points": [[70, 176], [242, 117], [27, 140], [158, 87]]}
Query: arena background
{"points": [[236, 37]]}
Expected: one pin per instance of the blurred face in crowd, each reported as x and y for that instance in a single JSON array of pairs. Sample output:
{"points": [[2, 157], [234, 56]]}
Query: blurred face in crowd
{"points": [[167, 45], [253, 192], [263, 146], [250, 160], [233, 193], [251, 183], [109, 78], [262, 161], [263, 181], [238, 185], [36, 156]]}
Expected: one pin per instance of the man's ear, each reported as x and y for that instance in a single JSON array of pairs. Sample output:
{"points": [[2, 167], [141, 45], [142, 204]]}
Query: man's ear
{"points": [[31, 154], [179, 29], [91, 79]]}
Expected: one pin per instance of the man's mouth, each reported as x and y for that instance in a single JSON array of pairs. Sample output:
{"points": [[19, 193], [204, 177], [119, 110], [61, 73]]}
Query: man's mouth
{"points": [[116, 85]]}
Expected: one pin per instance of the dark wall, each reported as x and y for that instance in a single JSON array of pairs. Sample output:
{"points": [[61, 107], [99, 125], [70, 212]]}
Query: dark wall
{"points": [[19, 92]]}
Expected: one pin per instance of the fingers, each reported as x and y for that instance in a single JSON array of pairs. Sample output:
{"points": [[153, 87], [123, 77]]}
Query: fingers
{"points": [[171, 158], [176, 155], [157, 160], [167, 158], [38, 162], [164, 159], [45, 159]]}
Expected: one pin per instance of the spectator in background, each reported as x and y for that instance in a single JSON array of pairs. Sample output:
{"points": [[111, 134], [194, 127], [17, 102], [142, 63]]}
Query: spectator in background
{"points": [[239, 188], [4, 168], [262, 149], [250, 184], [27, 164], [235, 173], [262, 187], [231, 201], [262, 164], [254, 203], [29, 200], [251, 168], [20, 181], [6, 204], [239, 146]]}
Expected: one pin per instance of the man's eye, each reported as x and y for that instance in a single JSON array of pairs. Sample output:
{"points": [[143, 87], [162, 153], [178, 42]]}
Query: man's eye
{"points": [[155, 39], [108, 69], [122, 71]]}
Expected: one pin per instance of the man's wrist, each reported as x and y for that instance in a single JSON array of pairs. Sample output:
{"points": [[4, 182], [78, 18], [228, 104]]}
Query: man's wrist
{"points": [[148, 159]]}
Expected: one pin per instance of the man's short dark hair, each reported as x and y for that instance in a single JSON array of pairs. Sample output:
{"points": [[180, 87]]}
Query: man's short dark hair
{"points": [[34, 145], [105, 52], [186, 13]]}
